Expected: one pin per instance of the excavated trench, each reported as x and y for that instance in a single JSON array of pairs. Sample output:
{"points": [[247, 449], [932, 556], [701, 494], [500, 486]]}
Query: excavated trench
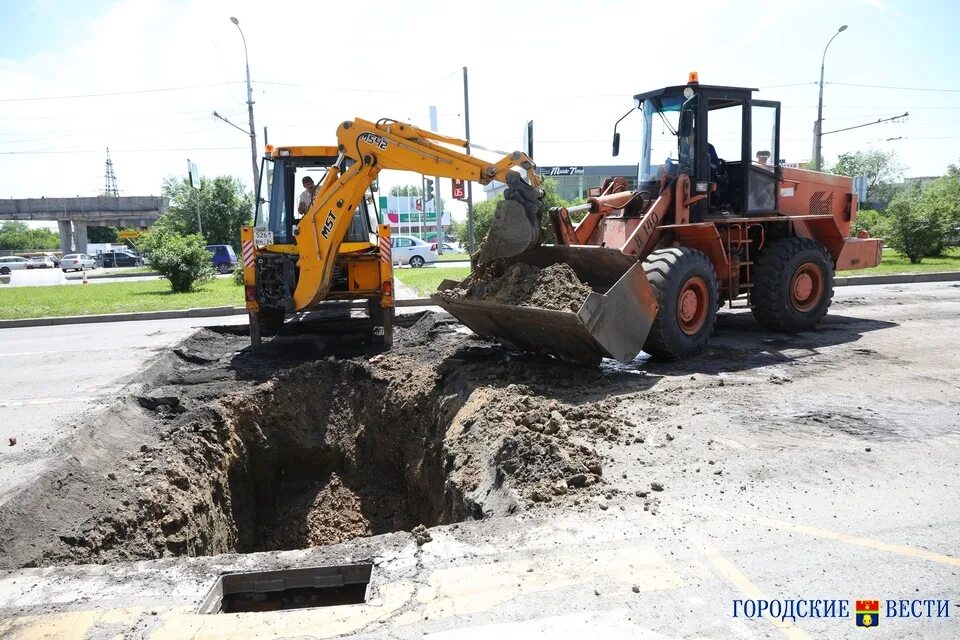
{"points": [[319, 456], [223, 452]]}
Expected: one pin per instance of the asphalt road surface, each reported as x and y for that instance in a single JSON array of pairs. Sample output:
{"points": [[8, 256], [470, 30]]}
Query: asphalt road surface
{"points": [[50, 375], [819, 466]]}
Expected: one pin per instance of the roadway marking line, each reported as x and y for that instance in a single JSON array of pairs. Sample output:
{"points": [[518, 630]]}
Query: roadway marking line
{"points": [[741, 582], [901, 549]]}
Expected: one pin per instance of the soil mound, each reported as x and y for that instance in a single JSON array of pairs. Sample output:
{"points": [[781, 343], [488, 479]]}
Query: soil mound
{"points": [[555, 287]]}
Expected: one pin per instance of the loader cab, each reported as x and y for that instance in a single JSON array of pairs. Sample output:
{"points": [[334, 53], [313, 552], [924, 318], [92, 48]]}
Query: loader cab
{"points": [[727, 143], [281, 173]]}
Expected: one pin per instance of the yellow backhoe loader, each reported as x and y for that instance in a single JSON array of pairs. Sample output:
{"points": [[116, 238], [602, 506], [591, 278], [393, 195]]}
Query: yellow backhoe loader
{"points": [[339, 250]]}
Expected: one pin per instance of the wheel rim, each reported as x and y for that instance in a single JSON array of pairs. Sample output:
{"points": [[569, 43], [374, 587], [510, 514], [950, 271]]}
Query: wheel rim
{"points": [[806, 287], [693, 305]]}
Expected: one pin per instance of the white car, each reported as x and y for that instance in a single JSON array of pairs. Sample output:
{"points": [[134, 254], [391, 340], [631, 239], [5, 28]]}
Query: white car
{"points": [[41, 262], [413, 251], [12, 263], [77, 262]]}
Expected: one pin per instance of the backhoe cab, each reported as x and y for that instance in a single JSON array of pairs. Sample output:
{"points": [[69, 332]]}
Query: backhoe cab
{"points": [[362, 268]]}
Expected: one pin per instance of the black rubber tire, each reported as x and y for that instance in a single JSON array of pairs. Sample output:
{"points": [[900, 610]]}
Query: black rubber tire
{"points": [[416, 262], [667, 271], [271, 320], [771, 299], [4, 271], [224, 268]]}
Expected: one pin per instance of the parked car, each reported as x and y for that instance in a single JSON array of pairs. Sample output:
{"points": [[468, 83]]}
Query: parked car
{"points": [[77, 262], [12, 263], [413, 251], [41, 262], [449, 248], [224, 257], [119, 259]]}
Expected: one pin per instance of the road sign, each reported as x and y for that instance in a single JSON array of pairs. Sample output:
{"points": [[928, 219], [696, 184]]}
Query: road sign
{"points": [[128, 234], [419, 204], [459, 189], [193, 174]]}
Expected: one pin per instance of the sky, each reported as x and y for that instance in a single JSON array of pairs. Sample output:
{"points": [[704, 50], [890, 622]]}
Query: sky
{"points": [[143, 78]]}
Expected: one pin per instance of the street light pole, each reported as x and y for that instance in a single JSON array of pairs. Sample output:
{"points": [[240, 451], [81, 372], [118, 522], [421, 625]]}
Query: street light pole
{"points": [[818, 159], [253, 131]]}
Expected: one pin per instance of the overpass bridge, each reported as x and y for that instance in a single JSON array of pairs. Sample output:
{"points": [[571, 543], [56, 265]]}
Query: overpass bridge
{"points": [[74, 215]]}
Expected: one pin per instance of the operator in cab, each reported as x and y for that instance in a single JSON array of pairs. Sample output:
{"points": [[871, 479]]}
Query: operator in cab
{"points": [[306, 196]]}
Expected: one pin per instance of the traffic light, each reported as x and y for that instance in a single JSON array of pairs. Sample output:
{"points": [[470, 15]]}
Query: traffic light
{"points": [[429, 194], [459, 189], [419, 204]]}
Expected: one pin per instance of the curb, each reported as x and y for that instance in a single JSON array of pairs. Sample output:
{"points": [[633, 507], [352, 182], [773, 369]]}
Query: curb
{"points": [[211, 312], [904, 278], [141, 274]]}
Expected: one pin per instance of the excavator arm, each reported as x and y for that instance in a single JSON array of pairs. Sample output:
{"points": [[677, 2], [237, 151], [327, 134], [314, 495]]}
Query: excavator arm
{"points": [[366, 148]]}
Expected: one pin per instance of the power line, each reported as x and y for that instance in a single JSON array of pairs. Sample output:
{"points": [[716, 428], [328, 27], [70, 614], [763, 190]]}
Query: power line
{"points": [[867, 124], [119, 93], [155, 150], [883, 86], [793, 84]]}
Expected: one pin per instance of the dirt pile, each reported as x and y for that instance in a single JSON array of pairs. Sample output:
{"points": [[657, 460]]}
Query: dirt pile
{"points": [[223, 452], [554, 287]]}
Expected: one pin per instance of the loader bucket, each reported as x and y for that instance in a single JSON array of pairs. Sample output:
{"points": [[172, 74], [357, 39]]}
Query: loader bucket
{"points": [[613, 321]]}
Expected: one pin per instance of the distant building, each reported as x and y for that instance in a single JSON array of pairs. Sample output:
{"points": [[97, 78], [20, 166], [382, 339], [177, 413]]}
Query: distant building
{"points": [[574, 180], [406, 218]]}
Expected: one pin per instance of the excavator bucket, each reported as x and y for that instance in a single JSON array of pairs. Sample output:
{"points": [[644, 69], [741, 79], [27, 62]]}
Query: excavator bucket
{"points": [[513, 230], [612, 322]]}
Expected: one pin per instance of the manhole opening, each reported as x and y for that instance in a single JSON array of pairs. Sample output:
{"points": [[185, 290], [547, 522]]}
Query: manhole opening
{"points": [[288, 589]]}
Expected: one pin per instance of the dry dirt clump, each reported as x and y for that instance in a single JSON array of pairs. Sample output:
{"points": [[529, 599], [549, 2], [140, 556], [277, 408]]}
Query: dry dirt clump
{"points": [[555, 287]]}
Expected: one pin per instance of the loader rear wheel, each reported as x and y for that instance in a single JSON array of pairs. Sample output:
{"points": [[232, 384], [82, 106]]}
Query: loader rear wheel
{"points": [[793, 286], [685, 285]]}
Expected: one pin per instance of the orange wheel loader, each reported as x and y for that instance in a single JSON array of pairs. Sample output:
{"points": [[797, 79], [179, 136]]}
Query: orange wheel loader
{"points": [[716, 219]]}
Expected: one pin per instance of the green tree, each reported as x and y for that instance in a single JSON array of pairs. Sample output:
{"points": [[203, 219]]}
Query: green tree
{"points": [[876, 223], [225, 206], [182, 259], [941, 199], [483, 213], [915, 229], [882, 169], [407, 190], [102, 234], [17, 236]]}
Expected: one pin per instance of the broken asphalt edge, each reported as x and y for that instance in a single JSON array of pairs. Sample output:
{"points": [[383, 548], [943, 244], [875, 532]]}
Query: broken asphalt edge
{"points": [[209, 312]]}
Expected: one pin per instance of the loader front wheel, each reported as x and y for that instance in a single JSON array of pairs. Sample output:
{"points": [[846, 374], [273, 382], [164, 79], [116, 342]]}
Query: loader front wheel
{"points": [[685, 285], [793, 286]]}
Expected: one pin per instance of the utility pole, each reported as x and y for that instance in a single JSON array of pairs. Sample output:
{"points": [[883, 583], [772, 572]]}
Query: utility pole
{"points": [[194, 176], [466, 122], [436, 193], [253, 131], [818, 131]]}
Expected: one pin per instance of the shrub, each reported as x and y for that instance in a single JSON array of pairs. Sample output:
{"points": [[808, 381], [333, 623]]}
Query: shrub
{"points": [[876, 223], [238, 275], [183, 260], [915, 230]]}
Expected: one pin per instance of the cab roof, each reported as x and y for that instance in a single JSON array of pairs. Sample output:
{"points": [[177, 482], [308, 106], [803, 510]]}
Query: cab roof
{"points": [[303, 152], [710, 90]]}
